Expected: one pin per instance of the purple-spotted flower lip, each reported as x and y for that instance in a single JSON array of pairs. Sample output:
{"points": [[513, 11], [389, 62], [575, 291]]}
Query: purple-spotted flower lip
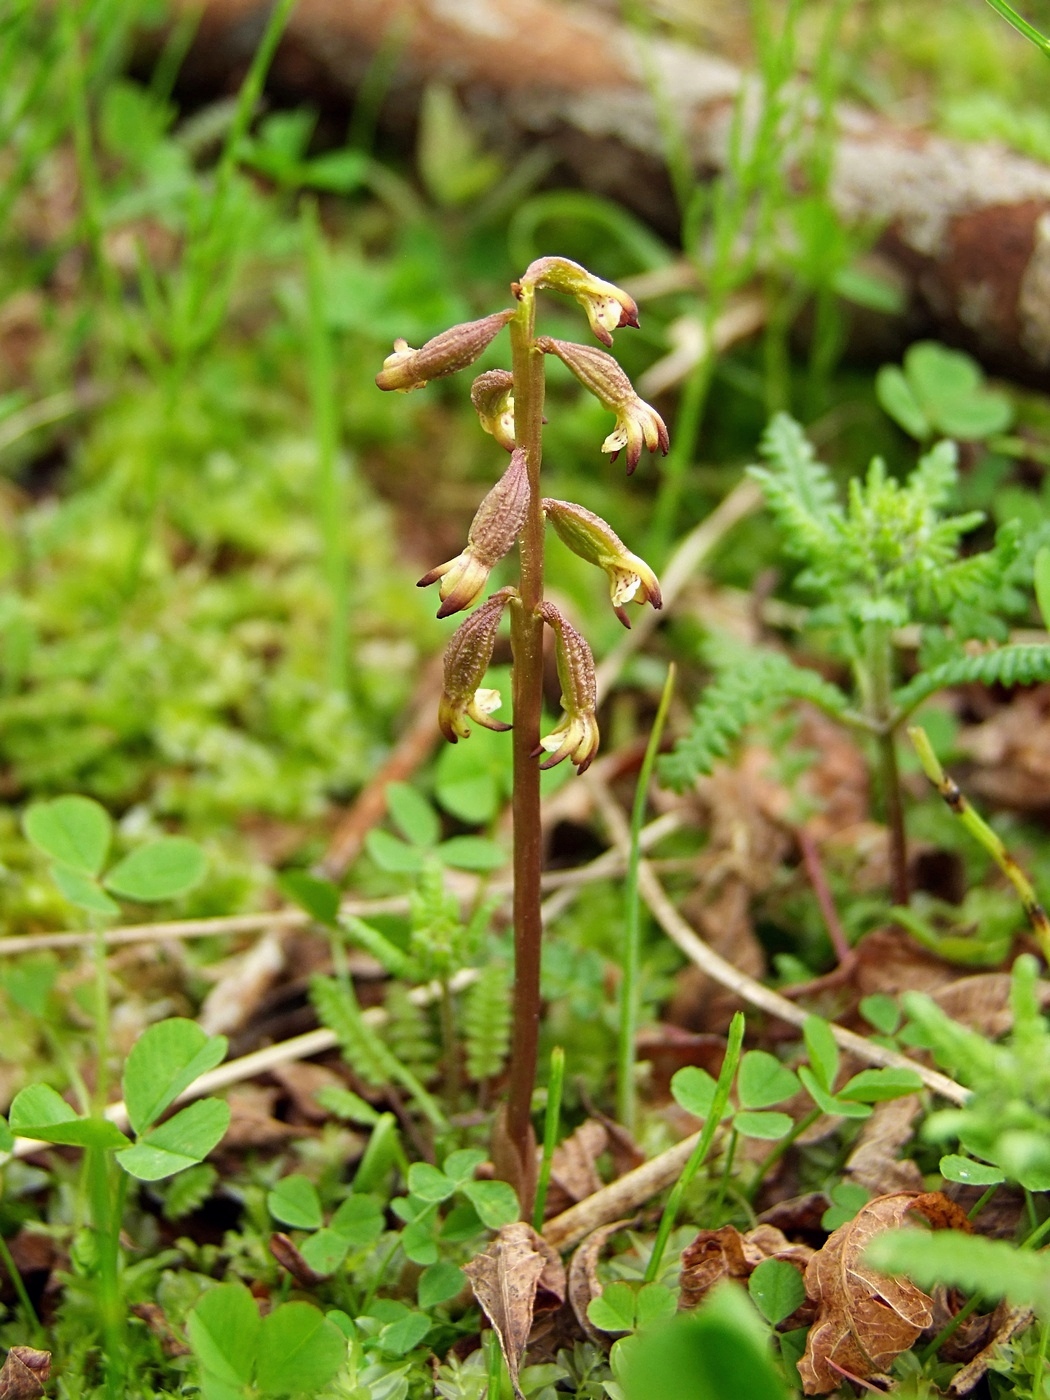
{"points": [[467, 658], [607, 307], [576, 735], [492, 534], [637, 423], [407, 369], [594, 539]]}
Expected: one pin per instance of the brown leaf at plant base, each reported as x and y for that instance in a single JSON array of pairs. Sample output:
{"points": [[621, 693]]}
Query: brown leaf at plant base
{"points": [[24, 1374], [505, 1280], [288, 1256], [1009, 1323], [584, 1284], [573, 1171], [864, 1320], [153, 1316], [875, 1162], [727, 1254]]}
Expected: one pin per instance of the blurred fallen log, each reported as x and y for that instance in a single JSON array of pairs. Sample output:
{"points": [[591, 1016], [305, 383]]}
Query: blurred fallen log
{"points": [[967, 227]]}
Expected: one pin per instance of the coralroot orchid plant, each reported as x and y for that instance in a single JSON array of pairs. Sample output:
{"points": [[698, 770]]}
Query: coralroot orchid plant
{"points": [[510, 407]]}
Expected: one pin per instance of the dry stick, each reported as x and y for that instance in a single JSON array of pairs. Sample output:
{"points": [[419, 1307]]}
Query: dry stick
{"points": [[609, 863]]}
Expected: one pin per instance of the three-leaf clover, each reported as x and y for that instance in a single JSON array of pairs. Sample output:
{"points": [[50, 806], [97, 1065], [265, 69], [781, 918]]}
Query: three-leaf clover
{"points": [[76, 834], [486, 1204], [356, 1223], [420, 839], [162, 1064], [941, 391], [293, 1350], [761, 1082]]}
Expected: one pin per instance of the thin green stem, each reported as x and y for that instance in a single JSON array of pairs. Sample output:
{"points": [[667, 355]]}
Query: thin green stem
{"points": [[979, 829], [687, 423], [331, 495], [626, 1096], [18, 1284], [449, 1046], [1022, 26], [107, 1211], [527, 651], [773, 1157], [720, 1099], [551, 1121], [1040, 1359], [981, 1202], [723, 1182], [877, 687]]}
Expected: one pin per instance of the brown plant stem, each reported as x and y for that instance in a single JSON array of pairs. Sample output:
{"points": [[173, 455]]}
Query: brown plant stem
{"points": [[526, 639]]}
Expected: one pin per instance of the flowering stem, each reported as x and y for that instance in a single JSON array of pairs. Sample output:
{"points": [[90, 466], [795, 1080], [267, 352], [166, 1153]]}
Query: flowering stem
{"points": [[526, 639]]}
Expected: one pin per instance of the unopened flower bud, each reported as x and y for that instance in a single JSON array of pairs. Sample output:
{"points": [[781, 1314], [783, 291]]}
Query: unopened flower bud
{"points": [[407, 369], [576, 737], [589, 536], [493, 531], [607, 307], [637, 423], [467, 658], [492, 394]]}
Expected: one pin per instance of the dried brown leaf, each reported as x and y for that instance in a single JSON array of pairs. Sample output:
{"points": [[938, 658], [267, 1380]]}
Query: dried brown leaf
{"points": [[1011, 1323], [505, 1280], [584, 1285], [24, 1374], [864, 1320], [875, 1162], [288, 1256], [720, 1254], [574, 1175]]}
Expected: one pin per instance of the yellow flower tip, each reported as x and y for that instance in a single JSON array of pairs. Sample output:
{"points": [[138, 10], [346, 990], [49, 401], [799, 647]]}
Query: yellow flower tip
{"points": [[467, 657], [606, 306], [576, 738], [594, 539], [463, 581], [396, 372], [638, 425]]}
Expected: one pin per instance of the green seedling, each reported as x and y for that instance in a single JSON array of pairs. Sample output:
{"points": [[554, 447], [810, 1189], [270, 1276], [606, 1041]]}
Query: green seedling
{"points": [[888, 558], [482, 1205], [420, 841], [762, 1082], [942, 392], [356, 1224], [293, 1350], [1004, 1127], [278, 149], [721, 1349]]}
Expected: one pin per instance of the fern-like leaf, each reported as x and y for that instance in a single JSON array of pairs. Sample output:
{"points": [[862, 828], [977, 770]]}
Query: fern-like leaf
{"points": [[743, 693], [1009, 665], [409, 1033], [486, 1022], [799, 491], [337, 1008]]}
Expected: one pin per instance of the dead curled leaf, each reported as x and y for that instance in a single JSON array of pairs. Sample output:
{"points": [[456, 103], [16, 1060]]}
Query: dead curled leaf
{"points": [[25, 1373], [727, 1254], [584, 1285], [574, 1174], [864, 1319], [517, 1266]]}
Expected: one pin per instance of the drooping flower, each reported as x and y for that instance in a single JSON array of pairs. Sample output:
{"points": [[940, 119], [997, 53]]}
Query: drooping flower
{"points": [[467, 658], [637, 423], [407, 369], [593, 539], [607, 306], [492, 395], [493, 531], [576, 736]]}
